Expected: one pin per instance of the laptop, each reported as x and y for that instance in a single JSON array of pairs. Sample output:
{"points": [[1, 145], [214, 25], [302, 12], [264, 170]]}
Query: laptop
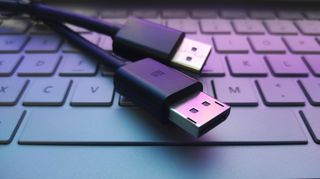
{"points": [[60, 116]]}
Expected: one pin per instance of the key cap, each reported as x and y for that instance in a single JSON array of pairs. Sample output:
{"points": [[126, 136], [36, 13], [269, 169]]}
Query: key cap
{"points": [[77, 65], [281, 27], [8, 63], [12, 43], [262, 14], [106, 43], [235, 92], [14, 26], [215, 26], [185, 25], [313, 14], [313, 62], [47, 92], [39, 65], [233, 14], [10, 121], [302, 44], [93, 92], [246, 65], [145, 13], [267, 44], [311, 119], [287, 66], [43, 43], [114, 13], [311, 88], [213, 66], [204, 13], [174, 13], [230, 44], [309, 27], [290, 14], [11, 90], [280, 92], [132, 126], [248, 26], [125, 102], [39, 28]]}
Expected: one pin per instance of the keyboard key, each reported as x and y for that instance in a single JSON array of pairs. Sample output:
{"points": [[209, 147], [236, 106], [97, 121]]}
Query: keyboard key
{"points": [[213, 66], [174, 13], [125, 102], [185, 25], [39, 28], [47, 92], [10, 121], [77, 65], [311, 119], [114, 13], [286, 66], [311, 88], [14, 26], [290, 14], [248, 27], [262, 14], [12, 43], [11, 90], [267, 44], [230, 44], [39, 65], [131, 126], [215, 26], [145, 13], [93, 92], [233, 14], [246, 65], [313, 62], [43, 43], [8, 64], [313, 14], [204, 13], [302, 44], [235, 92], [281, 27], [309, 27], [280, 92]]}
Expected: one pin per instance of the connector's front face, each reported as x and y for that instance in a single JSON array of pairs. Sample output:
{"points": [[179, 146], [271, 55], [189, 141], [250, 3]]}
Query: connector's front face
{"points": [[199, 113]]}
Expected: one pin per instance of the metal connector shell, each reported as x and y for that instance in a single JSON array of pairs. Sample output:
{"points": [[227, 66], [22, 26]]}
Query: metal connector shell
{"points": [[191, 55], [198, 113]]}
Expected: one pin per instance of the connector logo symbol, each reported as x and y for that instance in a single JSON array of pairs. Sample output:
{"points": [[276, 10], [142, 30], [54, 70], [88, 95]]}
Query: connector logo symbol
{"points": [[157, 73]]}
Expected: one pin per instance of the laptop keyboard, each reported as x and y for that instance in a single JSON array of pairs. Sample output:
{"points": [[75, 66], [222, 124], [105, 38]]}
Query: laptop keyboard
{"points": [[265, 64]]}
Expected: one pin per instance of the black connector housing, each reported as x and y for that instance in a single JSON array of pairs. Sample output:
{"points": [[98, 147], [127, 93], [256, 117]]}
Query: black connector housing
{"points": [[139, 39], [154, 86]]}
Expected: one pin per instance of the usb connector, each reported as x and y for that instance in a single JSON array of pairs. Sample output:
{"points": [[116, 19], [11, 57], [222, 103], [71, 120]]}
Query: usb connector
{"points": [[191, 55], [170, 95], [139, 39], [198, 113]]}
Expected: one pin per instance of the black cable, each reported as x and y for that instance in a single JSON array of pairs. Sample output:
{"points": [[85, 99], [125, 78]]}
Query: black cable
{"points": [[53, 14], [88, 47]]}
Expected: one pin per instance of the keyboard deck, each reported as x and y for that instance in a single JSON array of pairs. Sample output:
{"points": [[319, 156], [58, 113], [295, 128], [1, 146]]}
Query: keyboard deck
{"points": [[265, 64]]}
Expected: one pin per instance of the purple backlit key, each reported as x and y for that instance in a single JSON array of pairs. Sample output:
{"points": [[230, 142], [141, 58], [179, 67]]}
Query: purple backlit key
{"points": [[280, 92], [287, 65], [267, 44], [313, 63], [248, 26], [231, 44], [246, 65], [215, 26], [311, 88], [309, 27], [281, 27], [302, 44], [235, 92]]}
